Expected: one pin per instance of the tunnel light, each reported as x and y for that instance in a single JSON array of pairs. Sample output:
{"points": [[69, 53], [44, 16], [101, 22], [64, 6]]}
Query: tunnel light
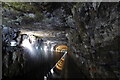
{"points": [[27, 45], [13, 43], [37, 47], [38, 33], [45, 48], [51, 49], [48, 42], [32, 38]]}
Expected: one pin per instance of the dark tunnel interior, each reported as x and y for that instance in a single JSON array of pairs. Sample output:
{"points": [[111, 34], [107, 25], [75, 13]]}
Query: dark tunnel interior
{"points": [[60, 40]]}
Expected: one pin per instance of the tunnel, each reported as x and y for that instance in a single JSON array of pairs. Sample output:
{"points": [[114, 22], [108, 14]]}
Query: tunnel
{"points": [[62, 40]]}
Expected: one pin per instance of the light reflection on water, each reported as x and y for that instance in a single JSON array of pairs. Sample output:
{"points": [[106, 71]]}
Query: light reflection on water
{"points": [[37, 50], [32, 48], [40, 52]]}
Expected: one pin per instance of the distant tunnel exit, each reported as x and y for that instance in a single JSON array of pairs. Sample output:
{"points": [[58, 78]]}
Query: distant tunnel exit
{"points": [[61, 48]]}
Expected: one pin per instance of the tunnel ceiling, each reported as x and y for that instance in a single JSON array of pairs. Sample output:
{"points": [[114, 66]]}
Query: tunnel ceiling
{"points": [[43, 22], [40, 18]]}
